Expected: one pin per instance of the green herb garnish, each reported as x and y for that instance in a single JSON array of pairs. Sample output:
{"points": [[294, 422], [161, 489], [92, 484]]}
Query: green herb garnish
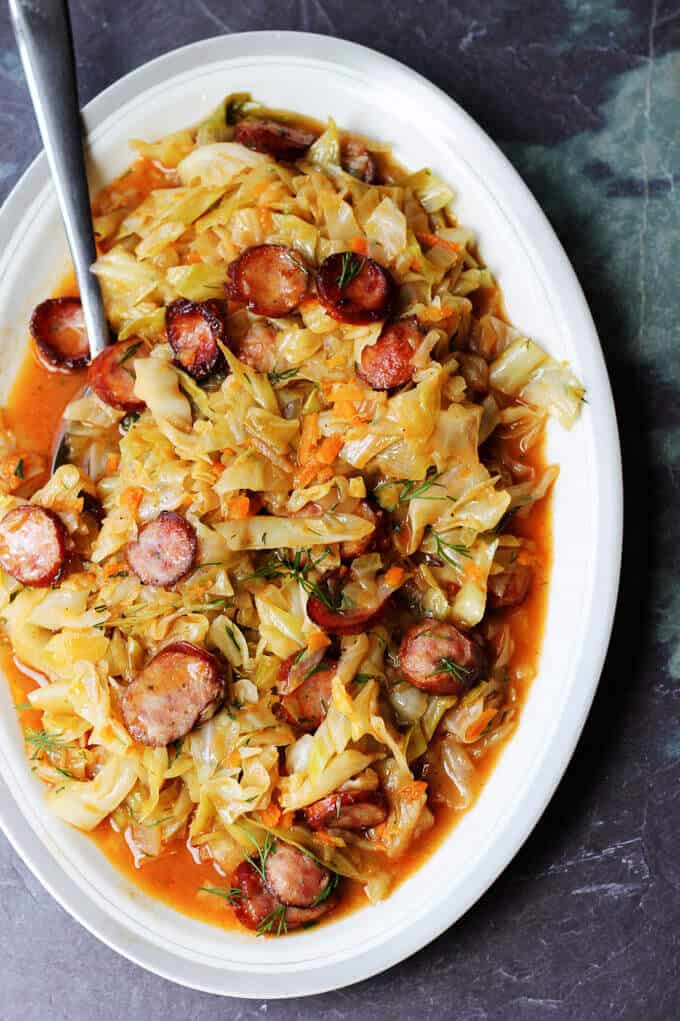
{"points": [[451, 552], [132, 416], [228, 893], [131, 352], [351, 267], [282, 377], [19, 470], [449, 666], [274, 922]]}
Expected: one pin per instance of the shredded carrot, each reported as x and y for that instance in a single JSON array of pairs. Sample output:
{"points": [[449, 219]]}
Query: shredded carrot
{"points": [[326, 839], [318, 640], [359, 245], [234, 760], [286, 820], [131, 497], [217, 469], [187, 499], [113, 567], [413, 791], [395, 576], [309, 437], [476, 728], [192, 258], [112, 464], [345, 409], [238, 507], [346, 392], [329, 449], [434, 239], [271, 816], [435, 315]]}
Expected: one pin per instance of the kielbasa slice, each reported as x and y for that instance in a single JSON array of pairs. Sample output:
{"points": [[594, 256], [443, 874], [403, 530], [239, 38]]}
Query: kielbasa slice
{"points": [[355, 289], [282, 141], [58, 328], [165, 550], [194, 328], [438, 658], [307, 704], [255, 907], [357, 161], [270, 279], [33, 545], [293, 877], [112, 375], [357, 547], [347, 810], [509, 588], [389, 362], [338, 621], [257, 348], [179, 688]]}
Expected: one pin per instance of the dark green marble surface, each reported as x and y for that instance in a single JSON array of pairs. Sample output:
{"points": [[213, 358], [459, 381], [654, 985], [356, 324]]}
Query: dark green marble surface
{"points": [[584, 97]]}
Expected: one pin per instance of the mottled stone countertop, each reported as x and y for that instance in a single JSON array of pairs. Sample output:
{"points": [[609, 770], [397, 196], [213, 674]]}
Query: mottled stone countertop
{"points": [[584, 97]]}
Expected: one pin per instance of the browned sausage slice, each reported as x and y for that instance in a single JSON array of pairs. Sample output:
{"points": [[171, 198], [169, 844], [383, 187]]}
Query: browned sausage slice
{"points": [[509, 588], [179, 688], [347, 810], [256, 908], [438, 658], [293, 877], [357, 161], [339, 621], [306, 706], [389, 362], [58, 328], [194, 328], [33, 545], [270, 279], [357, 547], [282, 141], [355, 289], [257, 348], [112, 375], [165, 550]]}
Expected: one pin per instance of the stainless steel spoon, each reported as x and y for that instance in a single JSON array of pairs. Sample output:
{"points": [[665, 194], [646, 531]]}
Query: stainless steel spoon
{"points": [[43, 33]]}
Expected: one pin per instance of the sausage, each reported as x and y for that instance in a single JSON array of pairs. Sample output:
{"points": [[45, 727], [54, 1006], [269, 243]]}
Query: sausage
{"points": [[58, 329], [270, 279], [194, 328], [255, 907], [112, 377], [355, 289], [34, 545], [337, 621], [347, 810], [307, 704], [293, 877], [179, 688], [282, 141], [438, 658], [257, 348], [389, 362], [357, 161], [509, 588], [357, 547], [165, 550]]}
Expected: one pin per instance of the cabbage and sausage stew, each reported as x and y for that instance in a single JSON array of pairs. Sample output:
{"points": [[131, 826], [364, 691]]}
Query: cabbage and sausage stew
{"points": [[269, 625]]}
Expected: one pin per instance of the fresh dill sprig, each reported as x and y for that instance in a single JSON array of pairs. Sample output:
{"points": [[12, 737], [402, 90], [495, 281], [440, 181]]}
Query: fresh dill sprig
{"points": [[231, 894], [282, 377], [274, 922], [44, 741], [451, 552], [334, 877], [19, 470], [280, 566], [351, 267], [449, 666]]}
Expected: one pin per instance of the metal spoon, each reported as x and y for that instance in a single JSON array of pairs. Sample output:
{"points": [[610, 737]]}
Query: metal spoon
{"points": [[43, 33]]}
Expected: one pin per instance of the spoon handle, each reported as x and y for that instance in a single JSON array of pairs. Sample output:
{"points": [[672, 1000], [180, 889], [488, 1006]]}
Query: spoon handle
{"points": [[43, 33]]}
